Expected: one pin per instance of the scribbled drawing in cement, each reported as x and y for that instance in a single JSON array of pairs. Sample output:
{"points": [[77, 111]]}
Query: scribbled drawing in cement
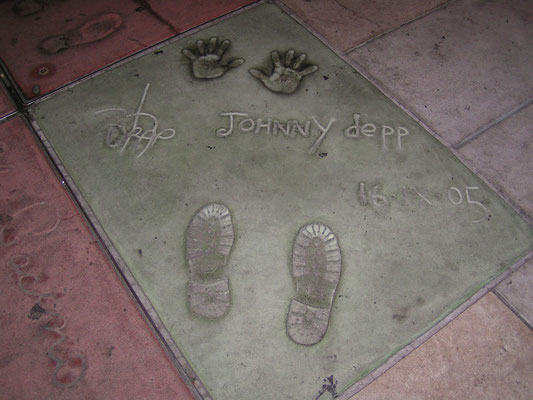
{"points": [[19, 263], [95, 29], [206, 60], [316, 267], [37, 219], [4, 168], [285, 78], [209, 241], [120, 135]]}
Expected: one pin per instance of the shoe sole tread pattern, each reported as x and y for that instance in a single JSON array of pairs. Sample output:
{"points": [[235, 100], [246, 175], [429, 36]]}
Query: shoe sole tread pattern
{"points": [[210, 237], [316, 267]]}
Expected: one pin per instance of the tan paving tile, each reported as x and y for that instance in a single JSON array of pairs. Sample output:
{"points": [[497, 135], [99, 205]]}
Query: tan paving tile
{"points": [[347, 23], [517, 291], [486, 353], [458, 68], [504, 155]]}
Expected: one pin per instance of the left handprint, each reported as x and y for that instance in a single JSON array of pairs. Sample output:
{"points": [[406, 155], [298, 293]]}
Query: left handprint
{"points": [[206, 59]]}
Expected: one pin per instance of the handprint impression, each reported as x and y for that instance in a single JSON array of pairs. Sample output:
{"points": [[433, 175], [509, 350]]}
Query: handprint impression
{"points": [[207, 63], [285, 79]]}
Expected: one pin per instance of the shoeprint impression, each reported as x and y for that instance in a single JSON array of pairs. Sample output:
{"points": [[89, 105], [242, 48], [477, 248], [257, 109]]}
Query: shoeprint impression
{"points": [[316, 267], [209, 241], [93, 30]]}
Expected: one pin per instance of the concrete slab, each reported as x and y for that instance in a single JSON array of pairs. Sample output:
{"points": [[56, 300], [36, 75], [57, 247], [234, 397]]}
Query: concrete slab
{"points": [[485, 353], [6, 104], [458, 68], [504, 155], [46, 45], [261, 210], [69, 328], [517, 292], [348, 23]]}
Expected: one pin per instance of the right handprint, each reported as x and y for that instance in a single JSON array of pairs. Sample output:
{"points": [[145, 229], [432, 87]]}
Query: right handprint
{"points": [[285, 78]]}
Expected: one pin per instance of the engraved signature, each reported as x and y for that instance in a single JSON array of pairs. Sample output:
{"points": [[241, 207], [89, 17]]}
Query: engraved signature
{"points": [[391, 138], [120, 135], [273, 127]]}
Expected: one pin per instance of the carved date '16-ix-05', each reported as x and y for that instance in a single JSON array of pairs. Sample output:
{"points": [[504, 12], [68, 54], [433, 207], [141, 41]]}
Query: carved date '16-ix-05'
{"points": [[371, 195]]}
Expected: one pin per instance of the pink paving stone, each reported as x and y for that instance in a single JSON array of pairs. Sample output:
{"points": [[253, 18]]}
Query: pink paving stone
{"points": [[6, 105], [48, 256], [46, 45]]}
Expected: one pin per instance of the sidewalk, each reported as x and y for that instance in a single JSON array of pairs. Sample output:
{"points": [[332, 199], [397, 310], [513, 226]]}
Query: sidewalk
{"points": [[74, 328]]}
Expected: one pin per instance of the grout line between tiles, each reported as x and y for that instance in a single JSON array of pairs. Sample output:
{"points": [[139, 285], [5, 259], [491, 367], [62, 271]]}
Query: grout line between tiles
{"points": [[419, 341], [400, 26], [513, 309], [474, 135], [176, 357], [8, 116], [493, 287]]}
